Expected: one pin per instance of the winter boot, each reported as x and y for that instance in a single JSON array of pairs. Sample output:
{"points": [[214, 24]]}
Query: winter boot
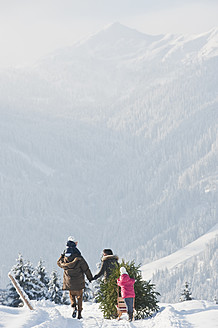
{"points": [[130, 317], [79, 315], [74, 310]]}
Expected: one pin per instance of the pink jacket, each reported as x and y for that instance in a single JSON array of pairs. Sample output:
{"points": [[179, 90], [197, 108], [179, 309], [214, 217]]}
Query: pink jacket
{"points": [[127, 286]]}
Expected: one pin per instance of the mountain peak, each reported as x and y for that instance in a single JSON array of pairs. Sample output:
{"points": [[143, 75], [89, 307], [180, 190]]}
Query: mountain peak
{"points": [[115, 25], [117, 40], [117, 30], [118, 27]]}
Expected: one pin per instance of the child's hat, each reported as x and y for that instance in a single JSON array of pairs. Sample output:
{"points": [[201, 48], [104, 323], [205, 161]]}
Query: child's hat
{"points": [[71, 239], [123, 270]]}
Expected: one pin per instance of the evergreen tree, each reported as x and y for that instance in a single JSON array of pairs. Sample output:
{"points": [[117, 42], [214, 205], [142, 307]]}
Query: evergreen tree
{"points": [[31, 284], [145, 295], [186, 294], [42, 276], [3, 296], [87, 292], [65, 298], [13, 298], [96, 288], [27, 278], [55, 291]]}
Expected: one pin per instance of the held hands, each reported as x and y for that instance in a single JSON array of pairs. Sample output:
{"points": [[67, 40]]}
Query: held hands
{"points": [[93, 278]]}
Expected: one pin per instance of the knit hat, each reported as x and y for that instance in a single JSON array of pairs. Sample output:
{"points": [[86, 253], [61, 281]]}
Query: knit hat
{"points": [[71, 239], [123, 270]]}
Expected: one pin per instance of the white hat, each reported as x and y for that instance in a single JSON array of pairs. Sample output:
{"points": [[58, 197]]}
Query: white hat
{"points": [[123, 270], [71, 239]]}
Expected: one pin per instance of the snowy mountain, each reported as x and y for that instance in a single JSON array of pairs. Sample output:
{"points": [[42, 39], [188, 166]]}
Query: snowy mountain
{"points": [[114, 141], [196, 263], [173, 260]]}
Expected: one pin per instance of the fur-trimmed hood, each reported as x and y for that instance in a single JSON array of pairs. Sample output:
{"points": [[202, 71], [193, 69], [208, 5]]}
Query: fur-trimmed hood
{"points": [[107, 265], [110, 257]]}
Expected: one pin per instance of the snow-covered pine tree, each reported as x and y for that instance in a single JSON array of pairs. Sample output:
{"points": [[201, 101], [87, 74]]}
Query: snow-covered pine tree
{"points": [[87, 293], [31, 283], [96, 284], [43, 277], [65, 298], [96, 287], [55, 290], [3, 296], [12, 298], [186, 293], [26, 276], [145, 294]]}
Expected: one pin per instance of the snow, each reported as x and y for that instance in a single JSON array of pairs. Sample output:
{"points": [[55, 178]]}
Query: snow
{"points": [[177, 258], [119, 128], [198, 313]]}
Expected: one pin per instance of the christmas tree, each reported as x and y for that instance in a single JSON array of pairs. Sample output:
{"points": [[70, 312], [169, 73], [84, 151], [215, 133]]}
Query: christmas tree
{"points": [[145, 294]]}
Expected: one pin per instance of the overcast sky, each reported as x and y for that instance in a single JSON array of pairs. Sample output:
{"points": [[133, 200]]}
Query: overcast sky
{"points": [[30, 29]]}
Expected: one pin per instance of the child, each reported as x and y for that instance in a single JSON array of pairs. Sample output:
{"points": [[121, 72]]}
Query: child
{"points": [[127, 290]]}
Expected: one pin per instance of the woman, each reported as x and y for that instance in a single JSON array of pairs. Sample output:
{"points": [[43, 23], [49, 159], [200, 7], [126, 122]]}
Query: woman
{"points": [[108, 263]]}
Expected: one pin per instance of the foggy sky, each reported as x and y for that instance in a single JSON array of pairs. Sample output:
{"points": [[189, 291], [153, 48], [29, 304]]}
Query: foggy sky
{"points": [[30, 29]]}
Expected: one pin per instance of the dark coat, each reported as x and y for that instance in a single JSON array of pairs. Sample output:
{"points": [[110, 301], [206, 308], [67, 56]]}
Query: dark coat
{"points": [[107, 265], [74, 269]]}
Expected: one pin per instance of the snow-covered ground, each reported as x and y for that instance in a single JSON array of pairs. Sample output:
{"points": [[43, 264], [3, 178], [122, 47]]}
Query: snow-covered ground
{"points": [[199, 314]]}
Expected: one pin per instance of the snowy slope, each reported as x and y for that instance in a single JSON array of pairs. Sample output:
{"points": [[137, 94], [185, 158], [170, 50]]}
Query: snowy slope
{"points": [[195, 314], [176, 259], [121, 127]]}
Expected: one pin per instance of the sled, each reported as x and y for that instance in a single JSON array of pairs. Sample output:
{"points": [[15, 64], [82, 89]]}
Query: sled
{"points": [[121, 306]]}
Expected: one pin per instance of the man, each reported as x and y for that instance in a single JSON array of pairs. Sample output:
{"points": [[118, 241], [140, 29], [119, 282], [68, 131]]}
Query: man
{"points": [[108, 263], [75, 267]]}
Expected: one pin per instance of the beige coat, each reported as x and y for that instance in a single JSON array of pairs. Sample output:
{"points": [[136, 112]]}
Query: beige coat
{"points": [[74, 271]]}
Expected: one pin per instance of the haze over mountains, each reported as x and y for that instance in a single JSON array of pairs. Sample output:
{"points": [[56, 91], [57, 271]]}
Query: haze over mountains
{"points": [[114, 141]]}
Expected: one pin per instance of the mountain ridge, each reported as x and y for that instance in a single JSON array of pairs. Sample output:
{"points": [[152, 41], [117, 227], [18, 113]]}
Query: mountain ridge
{"points": [[90, 143], [115, 33], [176, 259]]}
